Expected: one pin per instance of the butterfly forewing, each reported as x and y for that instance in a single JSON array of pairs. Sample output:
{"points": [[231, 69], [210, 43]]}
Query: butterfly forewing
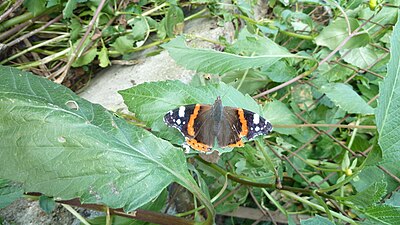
{"points": [[179, 118], [256, 125]]}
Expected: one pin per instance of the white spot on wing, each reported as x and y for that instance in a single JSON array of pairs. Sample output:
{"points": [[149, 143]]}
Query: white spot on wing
{"points": [[170, 113], [181, 112], [256, 118], [178, 121], [257, 128]]}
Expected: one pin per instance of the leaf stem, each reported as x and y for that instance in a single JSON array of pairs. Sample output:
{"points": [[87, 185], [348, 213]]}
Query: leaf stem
{"points": [[355, 127], [76, 214], [268, 23], [287, 83], [318, 207]]}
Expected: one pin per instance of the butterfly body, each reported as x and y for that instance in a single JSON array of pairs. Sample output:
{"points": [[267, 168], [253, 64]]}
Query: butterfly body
{"points": [[207, 126]]}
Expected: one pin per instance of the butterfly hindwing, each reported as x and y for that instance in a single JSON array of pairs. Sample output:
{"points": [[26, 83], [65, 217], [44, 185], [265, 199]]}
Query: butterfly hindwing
{"points": [[230, 128]]}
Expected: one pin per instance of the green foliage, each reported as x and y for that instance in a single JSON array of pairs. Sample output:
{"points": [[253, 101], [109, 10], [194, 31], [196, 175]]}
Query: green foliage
{"points": [[211, 61], [368, 196], [388, 104], [332, 35], [9, 192], [383, 214], [35, 6], [69, 8], [346, 98], [318, 220], [86, 58], [360, 57], [311, 70], [47, 204]]}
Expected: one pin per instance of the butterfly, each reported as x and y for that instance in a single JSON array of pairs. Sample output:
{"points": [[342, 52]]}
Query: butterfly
{"points": [[207, 126]]}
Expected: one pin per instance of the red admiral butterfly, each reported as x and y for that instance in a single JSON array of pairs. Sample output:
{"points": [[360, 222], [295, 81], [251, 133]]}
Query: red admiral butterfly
{"points": [[206, 126]]}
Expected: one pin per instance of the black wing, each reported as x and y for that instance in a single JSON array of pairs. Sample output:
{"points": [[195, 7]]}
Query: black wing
{"points": [[230, 128], [256, 125], [179, 118]]}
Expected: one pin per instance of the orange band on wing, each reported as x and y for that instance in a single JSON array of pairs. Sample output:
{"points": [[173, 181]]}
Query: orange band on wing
{"points": [[190, 128], [197, 145], [243, 121], [237, 144]]}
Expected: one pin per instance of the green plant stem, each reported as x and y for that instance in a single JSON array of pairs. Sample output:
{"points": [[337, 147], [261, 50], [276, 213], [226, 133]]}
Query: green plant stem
{"points": [[357, 126], [246, 181], [45, 60], [76, 214], [156, 43], [353, 135], [328, 165], [268, 23], [34, 47], [318, 207], [276, 203], [205, 39], [243, 78], [15, 20], [321, 201], [340, 184], [198, 14], [287, 83]]}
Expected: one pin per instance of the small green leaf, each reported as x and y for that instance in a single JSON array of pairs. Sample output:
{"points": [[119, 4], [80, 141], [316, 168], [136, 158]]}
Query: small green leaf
{"points": [[215, 62], [360, 57], [336, 72], [318, 220], [139, 28], [253, 81], [280, 72], [394, 200], [278, 113], [387, 117], [47, 204], [346, 98], [173, 18], [332, 35], [368, 196], [123, 44], [85, 58], [69, 8], [9, 192], [383, 214], [75, 29], [103, 57], [35, 6]]}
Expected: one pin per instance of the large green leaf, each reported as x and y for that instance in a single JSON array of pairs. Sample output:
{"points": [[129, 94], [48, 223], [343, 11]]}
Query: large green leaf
{"points": [[211, 61], [367, 197], [383, 214], [278, 113], [317, 220], [387, 117], [346, 98], [332, 35], [151, 101], [58, 144], [360, 57]]}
